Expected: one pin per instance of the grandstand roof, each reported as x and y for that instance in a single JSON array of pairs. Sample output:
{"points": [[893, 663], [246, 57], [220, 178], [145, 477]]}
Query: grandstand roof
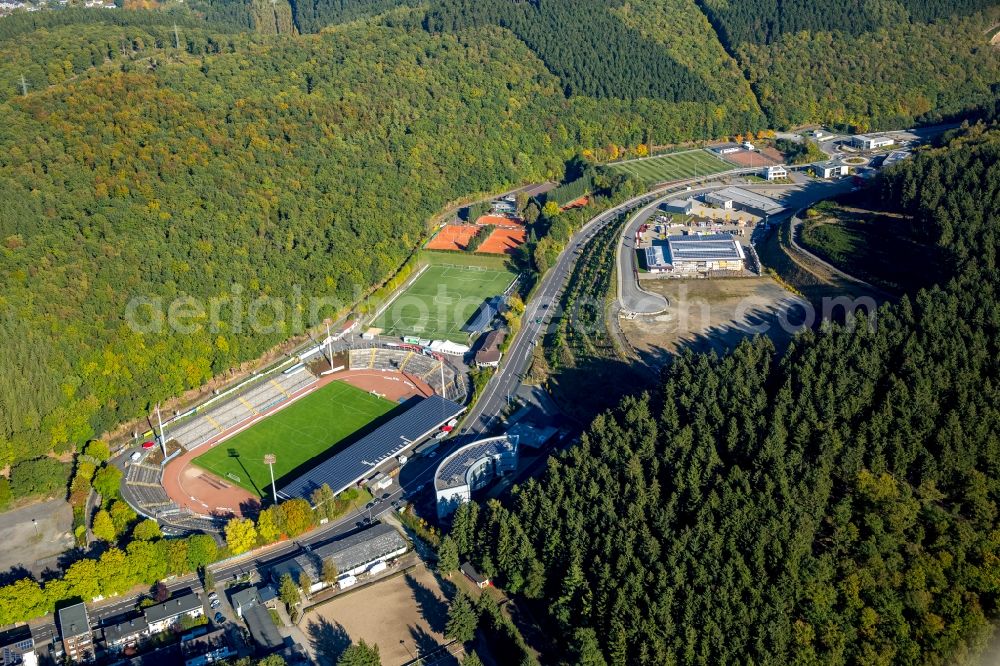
{"points": [[358, 460]]}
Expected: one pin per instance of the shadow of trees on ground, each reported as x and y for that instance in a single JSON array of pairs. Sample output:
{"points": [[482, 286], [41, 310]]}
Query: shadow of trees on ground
{"points": [[328, 641]]}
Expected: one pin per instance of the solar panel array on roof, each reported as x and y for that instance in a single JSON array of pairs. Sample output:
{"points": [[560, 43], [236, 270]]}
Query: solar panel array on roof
{"points": [[717, 247], [360, 458]]}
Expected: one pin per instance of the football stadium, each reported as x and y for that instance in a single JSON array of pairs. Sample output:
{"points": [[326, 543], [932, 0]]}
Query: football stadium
{"points": [[312, 425]]}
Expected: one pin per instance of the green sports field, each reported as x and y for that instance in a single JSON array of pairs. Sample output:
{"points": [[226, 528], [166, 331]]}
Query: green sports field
{"points": [[675, 166], [300, 431], [442, 300]]}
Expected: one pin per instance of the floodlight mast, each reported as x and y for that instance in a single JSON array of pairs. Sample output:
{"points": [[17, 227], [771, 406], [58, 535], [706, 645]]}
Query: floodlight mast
{"points": [[163, 439], [269, 460]]}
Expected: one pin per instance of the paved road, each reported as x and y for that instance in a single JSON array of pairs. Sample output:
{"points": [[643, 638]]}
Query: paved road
{"points": [[534, 323]]}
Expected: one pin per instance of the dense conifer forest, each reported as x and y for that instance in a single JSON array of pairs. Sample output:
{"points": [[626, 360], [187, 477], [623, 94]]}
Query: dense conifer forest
{"points": [[837, 504]]}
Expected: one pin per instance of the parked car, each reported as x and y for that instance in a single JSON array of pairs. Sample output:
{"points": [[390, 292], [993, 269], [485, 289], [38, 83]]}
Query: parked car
{"points": [[213, 596], [215, 604], [220, 618]]}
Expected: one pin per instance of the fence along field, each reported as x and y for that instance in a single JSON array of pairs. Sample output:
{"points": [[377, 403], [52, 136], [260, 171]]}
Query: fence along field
{"points": [[303, 430], [443, 299], [675, 166]]}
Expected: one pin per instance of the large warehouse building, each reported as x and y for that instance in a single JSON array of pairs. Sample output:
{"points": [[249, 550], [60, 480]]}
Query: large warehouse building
{"points": [[744, 200], [868, 142], [470, 468], [690, 255], [360, 459]]}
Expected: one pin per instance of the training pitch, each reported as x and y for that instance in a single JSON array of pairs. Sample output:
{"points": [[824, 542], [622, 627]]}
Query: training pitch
{"points": [[306, 428], [675, 166], [442, 300]]}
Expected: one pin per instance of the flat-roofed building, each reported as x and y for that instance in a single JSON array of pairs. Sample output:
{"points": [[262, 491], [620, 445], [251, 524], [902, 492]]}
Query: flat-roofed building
{"points": [[678, 206], [720, 200], [74, 630], [869, 142], [15, 644], [776, 172], [691, 255], [750, 201], [832, 170], [656, 260], [727, 148], [352, 555]]}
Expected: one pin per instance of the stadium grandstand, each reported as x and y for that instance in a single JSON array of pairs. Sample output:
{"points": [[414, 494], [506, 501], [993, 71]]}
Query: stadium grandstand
{"points": [[360, 459], [251, 401], [484, 315], [416, 363], [143, 490]]}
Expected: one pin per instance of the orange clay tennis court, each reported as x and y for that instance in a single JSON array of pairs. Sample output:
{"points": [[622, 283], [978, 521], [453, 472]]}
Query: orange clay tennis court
{"points": [[503, 241], [452, 237]]}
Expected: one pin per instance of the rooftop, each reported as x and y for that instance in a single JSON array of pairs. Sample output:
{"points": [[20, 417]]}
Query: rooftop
{"points": [[73, 621], [205, 643], [473, 573], [751, 199], [244, 598], [655, 257], [262, 628], [173, 608], [717, 247], [453, 470], [122, 630], [347, 553], [357, 460], [489, 351]]}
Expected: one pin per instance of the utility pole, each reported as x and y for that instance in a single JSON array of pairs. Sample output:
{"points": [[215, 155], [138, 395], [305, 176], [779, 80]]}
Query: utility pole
{"points": [[24, 86], [442, 380], [269, 460]]}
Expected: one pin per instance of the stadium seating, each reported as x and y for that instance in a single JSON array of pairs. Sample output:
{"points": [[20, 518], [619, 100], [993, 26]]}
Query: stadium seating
{"points": [[259, 397], [425, 367]]}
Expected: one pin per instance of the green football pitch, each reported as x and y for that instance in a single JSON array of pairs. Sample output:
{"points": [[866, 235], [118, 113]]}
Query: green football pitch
{"points": [[675, 166], [442, 300], [295, 434]]}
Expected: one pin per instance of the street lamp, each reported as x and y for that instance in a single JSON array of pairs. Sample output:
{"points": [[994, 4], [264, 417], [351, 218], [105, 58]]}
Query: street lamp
{"points": [[269, 460], [34, 523]]}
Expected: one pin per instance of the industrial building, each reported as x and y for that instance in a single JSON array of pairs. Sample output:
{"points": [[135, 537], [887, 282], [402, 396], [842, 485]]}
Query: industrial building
{"points": [[656, 260], [678, 206], [749, 201], [367, 551], [719, 200], [868, 142], [471, 468], [776, 172], [74, 631], [360, 460], [692, 255]]}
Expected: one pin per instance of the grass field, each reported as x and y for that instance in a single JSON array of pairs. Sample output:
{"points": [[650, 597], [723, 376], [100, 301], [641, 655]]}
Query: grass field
{"points": [[301, 431], [443, 299], [675, 166]]}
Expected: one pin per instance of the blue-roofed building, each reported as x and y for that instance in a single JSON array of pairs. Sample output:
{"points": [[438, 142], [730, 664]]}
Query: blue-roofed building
{"points": [[363, 457], [484, 315]]}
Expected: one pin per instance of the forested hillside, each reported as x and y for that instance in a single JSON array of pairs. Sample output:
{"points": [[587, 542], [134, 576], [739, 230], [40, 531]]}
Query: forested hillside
{"points": [[890, 77], [280, 165], [764, 21], [836, 505]]}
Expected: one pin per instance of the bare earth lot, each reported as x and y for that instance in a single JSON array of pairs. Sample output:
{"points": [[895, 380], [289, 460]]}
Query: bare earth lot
{"points": [[404, 616], [714, 315], [23, 547]]}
